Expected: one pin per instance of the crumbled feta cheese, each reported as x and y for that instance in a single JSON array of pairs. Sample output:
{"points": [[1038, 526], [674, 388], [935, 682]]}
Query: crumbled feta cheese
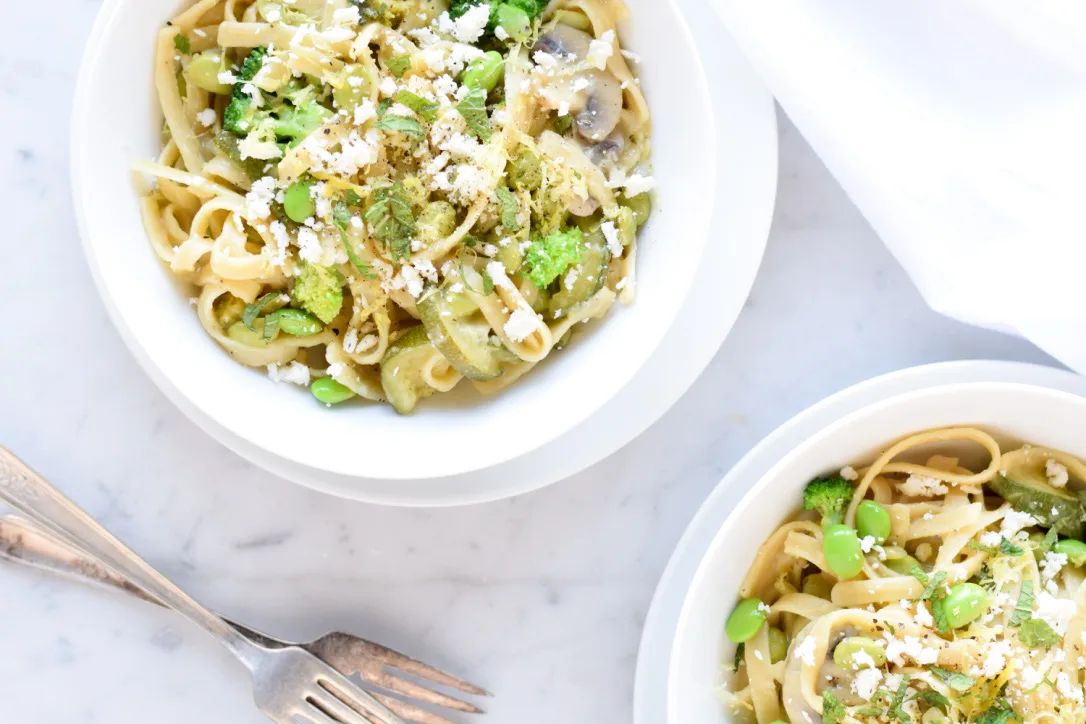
{"points": [[917, 486], [364, 112], [866, 682], [991, 539], [226, 77], [805, 651], [1057, 473], [1052, 563], [348, 15], [637, 184], [207, 117], [258, 200], [849, 473], [292, 372], [426, 268], [863, 660], [1056, 612], [255, 146], [412, 279], [580, 84], [498, 275], [912, 647], [545, 60], [1015, 521], [336, 369], [764, 608], [867, 543], [522, 323], [388, 87], [758, 655], [467, 28], [563, 109], [501, 33], [1067, 689], [631, 56], [1030, 677], [309, 245], [923, 617], [995, 659], [601, 50], [610, 233]]}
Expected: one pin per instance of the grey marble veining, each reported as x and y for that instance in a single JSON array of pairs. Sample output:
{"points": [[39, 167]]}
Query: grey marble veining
{"points": [[540, 598]]}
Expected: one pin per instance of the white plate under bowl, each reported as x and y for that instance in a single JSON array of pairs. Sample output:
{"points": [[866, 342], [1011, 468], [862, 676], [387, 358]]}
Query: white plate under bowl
{"points": [[661, 624], [743, 208], [116, 122]]}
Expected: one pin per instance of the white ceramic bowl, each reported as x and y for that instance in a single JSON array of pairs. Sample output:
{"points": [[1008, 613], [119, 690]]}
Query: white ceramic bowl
{"points": [[116, 122], [1012, 412]]}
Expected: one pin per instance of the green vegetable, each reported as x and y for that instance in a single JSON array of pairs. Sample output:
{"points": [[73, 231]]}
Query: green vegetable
{"points": [[900, 562], [833, 711], [853, 652], [436, 222], [841, 547], [399, 65], [319, 290], [295, 322], [267, 303], [1049, 541], [1005, 547], [460, 333], [999, 713], [484, 72], [401, 124], [641, 206], [873, 520], [895, 711], [562, 124], [249, 337], [298, 201], [549, 257], [427, 110], [228, 145], [965, 603], [746, 620], [181, 42], [1037, 634], [347, 95], [330, 392], [933, 699], [829, 496], [1023, 609], [525, 170], [392, 219], [341, 217], [957, 681], [1074, 550], [1029, 492], [241, 115], [510, 208], [778, 645], [473, 109], [401, 370], [204, 69], [932, 584], [739, 651], [516, 23], [817, 584]]}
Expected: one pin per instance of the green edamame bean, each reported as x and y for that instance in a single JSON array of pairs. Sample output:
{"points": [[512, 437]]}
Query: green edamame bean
{"points": [[778, 645], [1075, 550], [298, 203], [514, 21], [296, 322], [817, 584], [641, 205], [850, 653], [204, 69], [965, 603], [900, 562], [330, 392], [873, 520], [841, 547], [746, 620], [484, 72], [526, 170]]}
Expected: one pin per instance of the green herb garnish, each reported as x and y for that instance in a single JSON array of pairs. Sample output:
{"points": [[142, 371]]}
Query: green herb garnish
{"points": [[895, 711], [398, 65], [833, 711], [426, 109], [392, 220], [181, 42], [1023, 610], [999, 713], [341, 217], [510, 208], [1037, 634], [955, 680], [401, 124], [473, 109], [255, 309]]}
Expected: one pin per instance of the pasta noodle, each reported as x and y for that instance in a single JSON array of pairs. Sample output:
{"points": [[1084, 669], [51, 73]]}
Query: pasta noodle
{"points": [[968, 602], [337, 175]]}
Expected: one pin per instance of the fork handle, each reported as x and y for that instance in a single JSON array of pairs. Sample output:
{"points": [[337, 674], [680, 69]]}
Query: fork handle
{"points": [[31, 494]]}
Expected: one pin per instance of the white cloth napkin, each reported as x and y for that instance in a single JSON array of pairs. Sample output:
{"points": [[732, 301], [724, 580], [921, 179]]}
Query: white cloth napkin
{"points": [[958, 127]]}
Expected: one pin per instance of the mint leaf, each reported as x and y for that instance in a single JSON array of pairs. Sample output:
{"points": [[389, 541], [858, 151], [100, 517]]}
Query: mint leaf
{"points": [[1023, 610], [1009, 549], [473, 109], [488, 283], [1037, 634], [401, 124], [1051, 538], [955, 680], [341, 217], [510, 208], [938, 612], [918, 573], [383, 106], [257, 308], [426, 109], [833, 711], [351, 198], [392, 220], [181, 42], [933, 585], [398, 65], [739, 656], [934, 699], [895, 711], [999, 713]]}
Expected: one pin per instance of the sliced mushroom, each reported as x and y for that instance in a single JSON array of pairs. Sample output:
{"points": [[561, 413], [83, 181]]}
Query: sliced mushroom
{"points": [[599, 105], [608, 151], [581, 207], [567, 44]]}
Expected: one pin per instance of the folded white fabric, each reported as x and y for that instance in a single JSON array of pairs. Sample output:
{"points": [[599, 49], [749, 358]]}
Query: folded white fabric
{"points": [[958, 127]]}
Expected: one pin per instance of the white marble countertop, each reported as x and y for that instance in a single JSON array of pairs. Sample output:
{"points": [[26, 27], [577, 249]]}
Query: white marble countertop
{"points": [[539, 598]]}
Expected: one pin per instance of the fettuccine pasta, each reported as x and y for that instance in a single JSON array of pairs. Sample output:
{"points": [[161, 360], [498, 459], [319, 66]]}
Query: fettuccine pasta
{"points": [[380, 198], [921, 592]]}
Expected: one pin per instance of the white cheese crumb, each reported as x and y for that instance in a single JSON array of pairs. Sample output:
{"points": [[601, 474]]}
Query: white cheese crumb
{"points": [[849, 473], [207, 117], [917, 486], [867, 543], [388, 87], [347, 16], [991, 539], [364, 112], [227, 78], [1056, 612], [631, 56], [544, 59], [912, 647], [309, 245], [413, 280], [563, 109], [805, 651], [580, 84], [258, 200], [637, 184], [923, 617], [610, 233], [1052, 563], [601, 50], [469, 27], [1015, 521], [500, 33], [293, 372], [522, 323], [996, 658], [1057, 473], [865, 683]]}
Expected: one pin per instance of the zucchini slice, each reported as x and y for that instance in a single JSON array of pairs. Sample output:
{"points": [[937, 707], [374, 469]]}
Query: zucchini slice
{"points": [[401, 370], [464, 339], [1028, 491], [591, 274]]}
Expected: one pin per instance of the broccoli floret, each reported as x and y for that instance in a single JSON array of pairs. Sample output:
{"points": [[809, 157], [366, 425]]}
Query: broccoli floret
{"points": [[533, 8], [241, 115], [829, 496], [549, 257], [319, 291], [294, 123]]}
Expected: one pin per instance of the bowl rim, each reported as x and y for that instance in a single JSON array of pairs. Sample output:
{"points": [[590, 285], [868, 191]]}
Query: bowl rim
{"points": [[96, 48], [764, 483]]}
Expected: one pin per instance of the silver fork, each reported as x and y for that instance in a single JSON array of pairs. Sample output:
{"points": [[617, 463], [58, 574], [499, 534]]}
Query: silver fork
{"points": [[290, 684], [26, 543]]}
